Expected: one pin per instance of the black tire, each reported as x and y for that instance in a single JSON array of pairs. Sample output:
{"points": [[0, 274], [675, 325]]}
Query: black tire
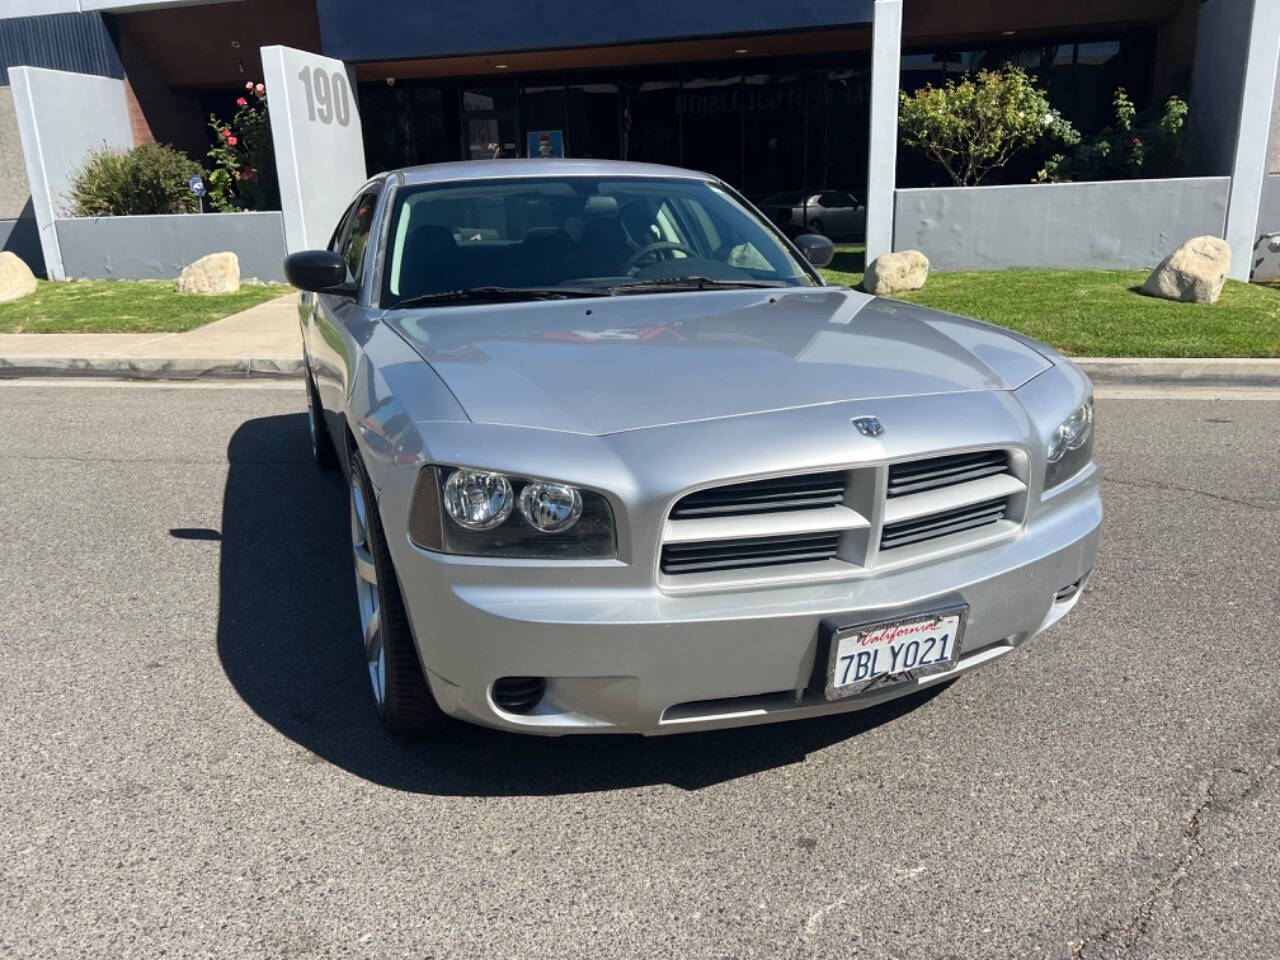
{"points": [[323, 450], [407, 707]]}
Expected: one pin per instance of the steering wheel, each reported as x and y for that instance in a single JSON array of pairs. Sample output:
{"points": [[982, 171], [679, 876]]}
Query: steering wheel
{"points": [[651, 248]]}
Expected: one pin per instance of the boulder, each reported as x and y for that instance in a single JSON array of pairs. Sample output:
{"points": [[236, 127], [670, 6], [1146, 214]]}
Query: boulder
{"points": [[216, 273], [892, 273], [16, 278], [1194, 273]]}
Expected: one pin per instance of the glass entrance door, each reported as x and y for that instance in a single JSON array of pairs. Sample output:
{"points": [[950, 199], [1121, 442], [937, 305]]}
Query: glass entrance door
{"points": [[490, 126]]}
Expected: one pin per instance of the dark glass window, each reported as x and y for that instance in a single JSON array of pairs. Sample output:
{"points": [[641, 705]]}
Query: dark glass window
{"points": [[773, 132], [650, 124], [710, 108], [592, 118]]}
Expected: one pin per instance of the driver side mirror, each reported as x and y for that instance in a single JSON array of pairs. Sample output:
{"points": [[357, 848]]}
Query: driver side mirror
{"points": [[320, 271], [816, 248]]}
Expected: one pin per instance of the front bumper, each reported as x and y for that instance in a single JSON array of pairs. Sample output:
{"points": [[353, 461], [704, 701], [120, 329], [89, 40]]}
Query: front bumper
{"points": [[633, 659]]}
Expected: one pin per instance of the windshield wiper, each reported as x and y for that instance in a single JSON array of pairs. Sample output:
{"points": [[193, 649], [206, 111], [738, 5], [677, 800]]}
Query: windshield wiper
{"points": [[499, 295], [660, 284]]}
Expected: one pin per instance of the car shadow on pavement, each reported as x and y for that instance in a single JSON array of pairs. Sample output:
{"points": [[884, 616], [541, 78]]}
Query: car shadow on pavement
{"points": [[288, 641]]}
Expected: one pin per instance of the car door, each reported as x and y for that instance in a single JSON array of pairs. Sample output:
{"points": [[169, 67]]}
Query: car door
{"points": [[332, 348], [844, 219], [309, 303]]}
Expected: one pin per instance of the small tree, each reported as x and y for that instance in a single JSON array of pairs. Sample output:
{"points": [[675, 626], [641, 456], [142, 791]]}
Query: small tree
{"points": [[244, 160], [1155, 147], [149, 179], [978, 124]]}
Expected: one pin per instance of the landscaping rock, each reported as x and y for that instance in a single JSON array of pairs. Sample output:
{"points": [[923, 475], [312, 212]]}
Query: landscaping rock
{"points": [[1194, 273], [216, 273], [16, 278], [892, 273]]}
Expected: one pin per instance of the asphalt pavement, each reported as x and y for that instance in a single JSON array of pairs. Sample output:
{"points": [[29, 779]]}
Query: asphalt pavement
{"points": [[190, 764]]}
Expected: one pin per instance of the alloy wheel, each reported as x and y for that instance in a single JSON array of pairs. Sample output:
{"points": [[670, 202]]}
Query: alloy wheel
{"points": [[367, 593]]}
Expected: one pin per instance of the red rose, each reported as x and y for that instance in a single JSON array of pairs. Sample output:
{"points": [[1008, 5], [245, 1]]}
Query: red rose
{"points": [[241, 102], [224, 133], [232, 141], [1137, 142], [259, 89]]}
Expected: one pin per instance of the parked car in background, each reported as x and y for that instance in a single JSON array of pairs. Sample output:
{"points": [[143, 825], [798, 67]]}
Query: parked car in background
{"points": [[619, 460], [837, 214]]}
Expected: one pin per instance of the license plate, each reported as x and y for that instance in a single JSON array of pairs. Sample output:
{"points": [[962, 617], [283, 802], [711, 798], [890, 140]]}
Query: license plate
{"points": [[892, 651]]}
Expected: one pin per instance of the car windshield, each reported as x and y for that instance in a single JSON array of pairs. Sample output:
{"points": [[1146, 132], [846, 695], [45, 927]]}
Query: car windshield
{"points": [[579, 235]]}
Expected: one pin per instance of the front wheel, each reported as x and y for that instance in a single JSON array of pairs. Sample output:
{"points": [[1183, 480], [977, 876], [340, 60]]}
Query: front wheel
{"points": [[400, 691], [322, 449]]}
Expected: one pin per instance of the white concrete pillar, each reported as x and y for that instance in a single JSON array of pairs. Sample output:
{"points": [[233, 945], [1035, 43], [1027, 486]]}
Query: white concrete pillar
{"points": [[886, 53], [1254, 130], [61, 118], [315, 129]]}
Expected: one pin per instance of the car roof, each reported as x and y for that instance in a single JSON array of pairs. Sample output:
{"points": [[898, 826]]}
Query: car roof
{"points": [[540, 167]]}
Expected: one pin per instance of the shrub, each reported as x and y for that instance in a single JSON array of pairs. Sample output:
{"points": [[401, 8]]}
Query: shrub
{"points": [[978, 124], [1127, 149], [244, 160], [151, 178]]}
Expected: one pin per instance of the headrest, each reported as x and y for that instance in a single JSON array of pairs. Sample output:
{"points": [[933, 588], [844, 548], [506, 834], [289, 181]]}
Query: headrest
{"points": [[598, 206]]}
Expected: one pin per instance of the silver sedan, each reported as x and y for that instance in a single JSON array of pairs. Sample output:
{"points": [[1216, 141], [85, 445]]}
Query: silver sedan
{"points": [[619, 460]]}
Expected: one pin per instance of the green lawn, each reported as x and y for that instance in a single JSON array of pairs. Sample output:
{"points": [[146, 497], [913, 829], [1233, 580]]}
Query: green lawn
{"points": [[124, 306], [1098, 313]]}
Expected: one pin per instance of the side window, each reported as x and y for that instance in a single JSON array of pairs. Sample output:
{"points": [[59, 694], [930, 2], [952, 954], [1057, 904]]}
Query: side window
{"points": [[833, 201], [357, 238], [336, 240]]}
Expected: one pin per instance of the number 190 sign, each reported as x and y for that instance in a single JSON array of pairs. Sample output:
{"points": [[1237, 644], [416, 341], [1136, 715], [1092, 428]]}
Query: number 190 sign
{"points": [[328, 97]]}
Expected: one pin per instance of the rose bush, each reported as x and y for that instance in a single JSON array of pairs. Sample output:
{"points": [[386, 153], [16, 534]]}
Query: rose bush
{"points": [[1153, 145], [244, 163]]}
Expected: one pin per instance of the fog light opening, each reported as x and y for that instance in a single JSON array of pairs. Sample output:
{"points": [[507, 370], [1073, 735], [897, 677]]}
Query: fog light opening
{"points": [[1068, 592], [518, 694]]}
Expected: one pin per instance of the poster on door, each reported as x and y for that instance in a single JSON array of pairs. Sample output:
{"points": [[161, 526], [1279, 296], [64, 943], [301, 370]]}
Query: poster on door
{"points": [[545, 143]]}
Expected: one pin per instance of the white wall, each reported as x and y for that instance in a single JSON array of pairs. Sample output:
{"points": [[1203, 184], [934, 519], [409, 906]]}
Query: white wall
{"points": [[40, 8], [158, 247], [1250, 168], [315, 127], [882, 153], [1120, 224], [61, 117]]}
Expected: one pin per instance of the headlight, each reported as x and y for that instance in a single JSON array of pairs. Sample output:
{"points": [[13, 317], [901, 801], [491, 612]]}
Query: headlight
{"points": [[550, 507], [469, 512], [478, 500], [1071, 446]]}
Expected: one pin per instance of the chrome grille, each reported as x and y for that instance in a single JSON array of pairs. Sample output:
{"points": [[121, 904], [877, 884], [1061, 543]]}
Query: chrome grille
{"points": [[943, 524], [941, 496], [826, 523], [763, 496], [708, 555], [917, 476]]}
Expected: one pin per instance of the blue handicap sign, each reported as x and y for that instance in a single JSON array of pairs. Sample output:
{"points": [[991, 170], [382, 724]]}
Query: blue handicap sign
{"points": [[196, 184]]}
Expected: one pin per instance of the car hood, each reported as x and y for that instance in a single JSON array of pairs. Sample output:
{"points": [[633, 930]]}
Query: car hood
{"points": [[604, 365]]}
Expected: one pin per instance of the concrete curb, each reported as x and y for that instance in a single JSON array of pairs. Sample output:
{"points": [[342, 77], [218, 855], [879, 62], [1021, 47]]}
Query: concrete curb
{"points": [[1102, 370], [148, 368], [1207, 372]]}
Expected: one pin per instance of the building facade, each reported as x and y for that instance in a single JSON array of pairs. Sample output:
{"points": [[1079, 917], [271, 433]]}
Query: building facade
{"points": [[775, 98]]}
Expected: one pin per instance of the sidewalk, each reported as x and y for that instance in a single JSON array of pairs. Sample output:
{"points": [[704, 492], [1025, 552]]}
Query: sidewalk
{"points": [[262, 341]]}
